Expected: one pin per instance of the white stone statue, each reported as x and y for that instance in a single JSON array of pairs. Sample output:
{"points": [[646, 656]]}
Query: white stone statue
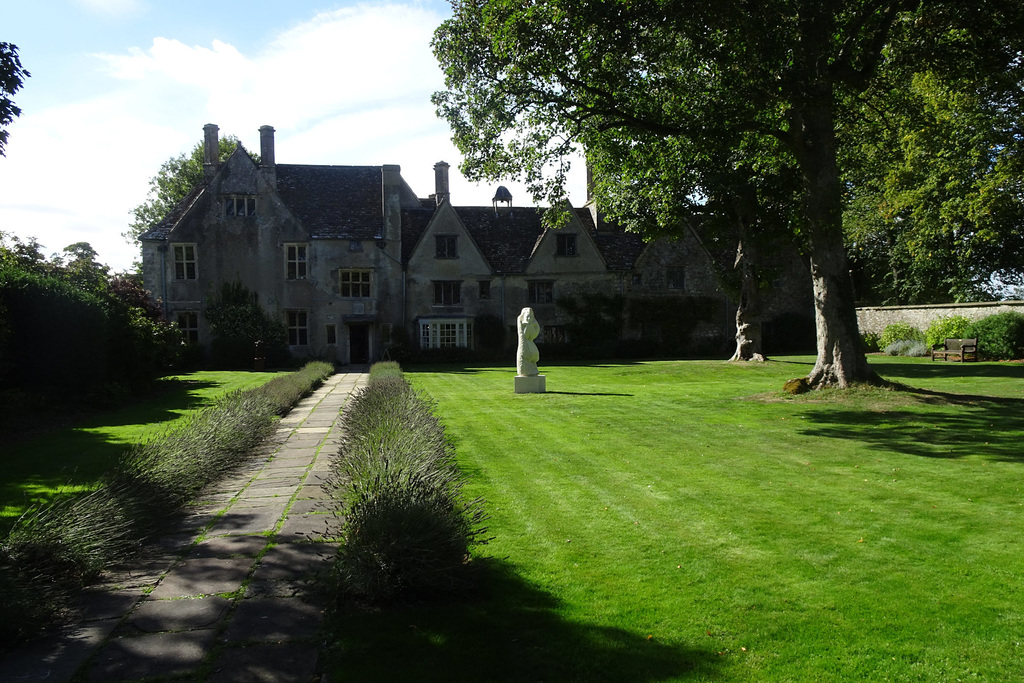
{"points": [[527, 354]]}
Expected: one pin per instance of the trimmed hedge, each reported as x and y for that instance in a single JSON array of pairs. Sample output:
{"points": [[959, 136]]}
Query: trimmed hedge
{"points": [[407, 530], [56, 548], [1000, 336]]}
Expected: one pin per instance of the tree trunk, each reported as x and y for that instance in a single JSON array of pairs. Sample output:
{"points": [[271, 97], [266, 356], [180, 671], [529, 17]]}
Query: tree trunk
{"points": [[748, 312], [841, 361]]}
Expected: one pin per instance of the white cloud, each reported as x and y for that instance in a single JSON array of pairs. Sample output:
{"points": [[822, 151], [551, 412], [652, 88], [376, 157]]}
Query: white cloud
{"points": [[348, 87], [116, 8]]}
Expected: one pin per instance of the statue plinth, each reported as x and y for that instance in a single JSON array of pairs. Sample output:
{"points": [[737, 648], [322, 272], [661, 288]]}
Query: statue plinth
{"points": [[530, 384]]}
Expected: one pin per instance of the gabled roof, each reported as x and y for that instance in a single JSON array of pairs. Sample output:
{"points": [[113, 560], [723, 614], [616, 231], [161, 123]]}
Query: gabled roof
{"points": [[334, 202], [508, 239], [162, 229]]}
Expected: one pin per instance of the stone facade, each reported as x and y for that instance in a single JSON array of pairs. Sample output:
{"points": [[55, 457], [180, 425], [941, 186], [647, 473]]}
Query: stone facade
{"points": [[348, 255]]}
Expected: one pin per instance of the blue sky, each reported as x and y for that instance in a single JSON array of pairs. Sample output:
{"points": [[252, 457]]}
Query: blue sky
{"points": [[120, 86]]}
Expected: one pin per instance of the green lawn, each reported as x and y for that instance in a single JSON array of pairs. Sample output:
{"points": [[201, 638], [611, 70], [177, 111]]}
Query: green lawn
{"points": [[72, 457], [686, 521]]}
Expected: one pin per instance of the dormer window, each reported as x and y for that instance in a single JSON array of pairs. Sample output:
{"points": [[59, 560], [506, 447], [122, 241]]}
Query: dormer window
{"points": [[239, 205]]}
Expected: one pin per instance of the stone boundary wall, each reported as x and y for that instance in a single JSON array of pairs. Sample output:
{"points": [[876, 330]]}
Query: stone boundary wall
{"points": [[875, 318]]}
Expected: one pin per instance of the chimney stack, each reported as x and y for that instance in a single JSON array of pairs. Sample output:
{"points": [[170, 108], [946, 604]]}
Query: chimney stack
{"points": [[267, 163], [211, 149], [441, 192]]}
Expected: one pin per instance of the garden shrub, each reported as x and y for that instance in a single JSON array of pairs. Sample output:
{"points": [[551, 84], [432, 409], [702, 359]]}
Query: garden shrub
{"points": [[895, 332], [1000, 336], [870, 342], [406, 531], [947, 327], [907, 347]]}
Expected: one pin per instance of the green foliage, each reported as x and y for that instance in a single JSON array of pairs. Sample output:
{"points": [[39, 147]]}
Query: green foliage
{"points": [[895, 332], [871, 342], [947, 327], [595, 322], [1000, 336], [37, 351], [121, 340], [489, 336], [237, 321], [671, 321], [380, 371], [12, 77], [407, 530], [933, 168], [62, 545]]}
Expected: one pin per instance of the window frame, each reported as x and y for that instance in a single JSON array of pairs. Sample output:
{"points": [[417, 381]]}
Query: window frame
{"points": [[190, 328], [297, 322], [446, 246], [447, 292], [294, 264], [540, 291], [186, 267], [484, 290], [444, 333], [230, 205], [361, 288], [564, 246], [675, 278]]}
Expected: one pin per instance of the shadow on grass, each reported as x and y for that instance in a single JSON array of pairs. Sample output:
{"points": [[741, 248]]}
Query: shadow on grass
{"points": [[943, 425], [585, 393], [510, 631], [946, 370], [57, 452]]}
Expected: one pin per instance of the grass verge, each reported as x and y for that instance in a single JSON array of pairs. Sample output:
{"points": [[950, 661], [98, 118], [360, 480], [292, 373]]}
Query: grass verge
{"points": [[686, 521]]}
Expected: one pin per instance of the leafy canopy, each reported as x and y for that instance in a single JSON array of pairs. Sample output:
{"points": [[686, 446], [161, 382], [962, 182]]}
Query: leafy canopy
{"points": [[12, 77]]}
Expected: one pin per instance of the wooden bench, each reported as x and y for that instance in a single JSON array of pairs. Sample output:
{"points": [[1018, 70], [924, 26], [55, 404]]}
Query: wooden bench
{"points": [[956, 349]]}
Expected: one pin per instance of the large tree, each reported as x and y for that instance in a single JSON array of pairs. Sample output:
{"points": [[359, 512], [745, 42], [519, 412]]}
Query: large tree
{"points": [[12, 77], [530, 83]]}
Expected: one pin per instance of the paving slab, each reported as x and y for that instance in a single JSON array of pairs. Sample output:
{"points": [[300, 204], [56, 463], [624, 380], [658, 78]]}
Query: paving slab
{"points": [[274, 619], [273, 663], [55, 658], [229, 546], [149, 656], [203, 576], [155, 616]]}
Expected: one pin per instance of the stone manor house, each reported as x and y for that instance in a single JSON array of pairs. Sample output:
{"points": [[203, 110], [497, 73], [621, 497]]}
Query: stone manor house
{"points": [[348, 255]]}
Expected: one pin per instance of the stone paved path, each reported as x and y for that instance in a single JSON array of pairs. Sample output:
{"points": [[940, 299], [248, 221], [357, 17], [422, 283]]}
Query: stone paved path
{"points": [[230, 594]]}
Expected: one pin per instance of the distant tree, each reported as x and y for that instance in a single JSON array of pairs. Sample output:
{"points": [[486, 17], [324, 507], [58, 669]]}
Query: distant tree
{"points": [[935, 174], [175, 179], [12, 77], [80, 267]]}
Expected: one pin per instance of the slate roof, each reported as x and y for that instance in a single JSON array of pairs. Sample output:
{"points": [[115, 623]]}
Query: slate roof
{"points": [[162, 229], [345, 202], [334, 202], [507, 240]]}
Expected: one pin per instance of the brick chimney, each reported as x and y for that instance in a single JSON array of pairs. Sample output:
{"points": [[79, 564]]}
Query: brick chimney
{"points": [[211, 149], [267, 163], [441, 192]]}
